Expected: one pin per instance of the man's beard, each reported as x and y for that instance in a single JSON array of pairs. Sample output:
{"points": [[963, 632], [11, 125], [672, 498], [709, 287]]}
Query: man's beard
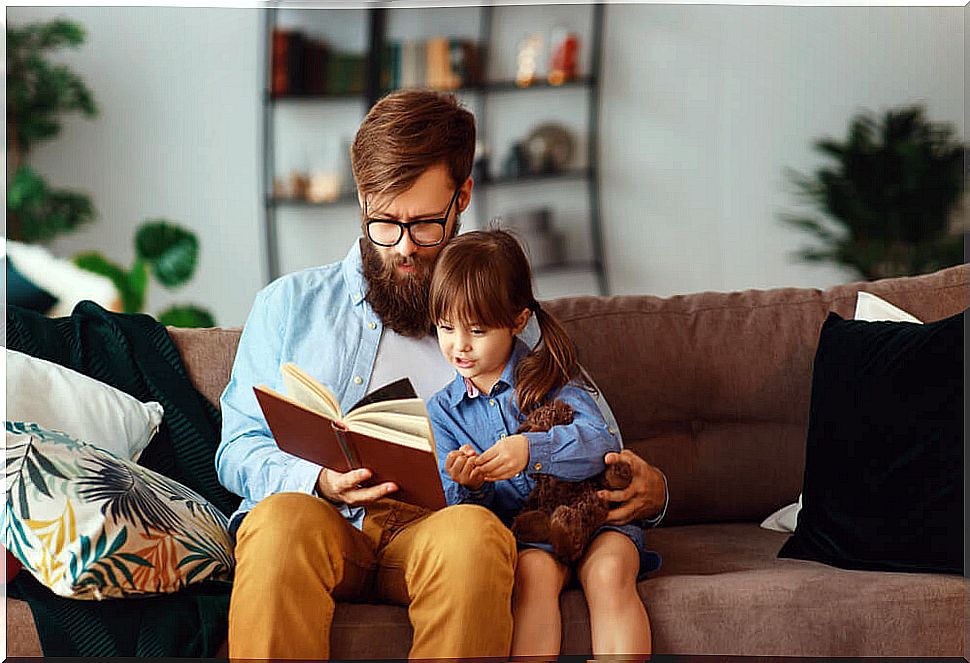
{"points": [[400, 301]]}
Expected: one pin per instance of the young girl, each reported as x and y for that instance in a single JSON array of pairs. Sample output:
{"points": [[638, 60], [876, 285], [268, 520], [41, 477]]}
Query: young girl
{"points": [[481, 297]]}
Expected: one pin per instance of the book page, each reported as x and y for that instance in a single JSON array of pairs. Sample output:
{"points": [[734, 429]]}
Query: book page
{"points": [[414, 407], [309, 392], [405, 423], [397, 437]]}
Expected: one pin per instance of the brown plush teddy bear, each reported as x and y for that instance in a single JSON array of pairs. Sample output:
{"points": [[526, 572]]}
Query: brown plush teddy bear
{"points": [[565, 513]]}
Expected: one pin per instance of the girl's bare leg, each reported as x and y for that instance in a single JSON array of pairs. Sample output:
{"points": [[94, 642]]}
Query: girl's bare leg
{"points": [[537, 625], [618, 620]]}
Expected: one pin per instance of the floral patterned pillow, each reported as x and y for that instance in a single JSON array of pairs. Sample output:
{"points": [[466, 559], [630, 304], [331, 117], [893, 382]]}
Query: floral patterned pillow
{"points": [[89, 525]]}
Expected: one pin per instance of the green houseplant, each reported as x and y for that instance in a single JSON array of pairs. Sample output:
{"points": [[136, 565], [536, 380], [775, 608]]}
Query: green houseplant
{"points": [[167, 251], [38, 94], [888, 197]]}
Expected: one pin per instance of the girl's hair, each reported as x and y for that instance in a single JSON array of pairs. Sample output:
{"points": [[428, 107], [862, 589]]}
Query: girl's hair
{"points": [[483, 278], [407, 132]]}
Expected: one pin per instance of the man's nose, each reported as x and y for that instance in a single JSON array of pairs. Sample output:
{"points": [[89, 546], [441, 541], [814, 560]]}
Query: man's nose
{"points": [[406, 247]]}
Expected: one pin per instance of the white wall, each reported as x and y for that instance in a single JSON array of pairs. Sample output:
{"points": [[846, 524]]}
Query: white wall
{"points": [[705, 105], [177, 136], [702, 108]]}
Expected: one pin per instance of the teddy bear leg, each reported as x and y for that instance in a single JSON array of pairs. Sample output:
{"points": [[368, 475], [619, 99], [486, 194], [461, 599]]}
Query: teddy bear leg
{"points": [[618, 476], [531, 526], [571, 527]]}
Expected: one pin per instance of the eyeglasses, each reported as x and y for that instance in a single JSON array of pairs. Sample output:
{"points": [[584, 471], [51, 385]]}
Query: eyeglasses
{"points": [[426, 232]]}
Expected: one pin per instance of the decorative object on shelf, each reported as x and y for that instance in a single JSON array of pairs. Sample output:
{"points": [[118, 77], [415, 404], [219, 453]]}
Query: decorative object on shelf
{"points": [[535, 231], [527, 60], [891, 194], [171, 253], [39, 92], [563, 66], [323, 187], [549, 148], [480, 167], [516, 163]]}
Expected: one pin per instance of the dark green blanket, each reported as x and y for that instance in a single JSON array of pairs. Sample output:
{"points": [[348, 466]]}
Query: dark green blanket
{"points": [[133, 353]]}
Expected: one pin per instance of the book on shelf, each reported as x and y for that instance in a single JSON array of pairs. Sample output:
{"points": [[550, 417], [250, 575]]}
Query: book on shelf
{"points": [[387, 431], [286, 67], [439, 62]]}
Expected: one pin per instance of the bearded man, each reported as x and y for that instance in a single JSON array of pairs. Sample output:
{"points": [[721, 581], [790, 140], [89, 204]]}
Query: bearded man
{"points": [[307, 535]]}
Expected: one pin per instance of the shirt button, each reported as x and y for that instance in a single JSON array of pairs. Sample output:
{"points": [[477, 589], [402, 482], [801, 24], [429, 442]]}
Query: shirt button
{"points": [[537, 467], [491, 401], [358, 380], [612, 430], [373, 325]]}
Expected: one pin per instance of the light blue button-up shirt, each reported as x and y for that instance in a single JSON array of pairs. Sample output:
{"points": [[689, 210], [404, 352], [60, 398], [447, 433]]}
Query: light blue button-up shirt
{"points": [[570, 452], [318, 319]]}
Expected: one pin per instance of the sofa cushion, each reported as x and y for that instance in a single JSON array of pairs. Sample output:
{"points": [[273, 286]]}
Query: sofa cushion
{"points": [[89, 525], [884, 467]]}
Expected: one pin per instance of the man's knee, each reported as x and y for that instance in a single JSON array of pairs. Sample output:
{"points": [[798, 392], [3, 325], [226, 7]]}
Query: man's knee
{"points": [[458, 530]]}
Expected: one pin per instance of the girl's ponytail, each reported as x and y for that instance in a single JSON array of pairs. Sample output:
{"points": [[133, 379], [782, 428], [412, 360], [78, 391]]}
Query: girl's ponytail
{"points": [[549, 367]]}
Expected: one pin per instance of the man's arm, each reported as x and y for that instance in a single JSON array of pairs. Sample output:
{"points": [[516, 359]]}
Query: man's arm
{"points": [[645, 499]]}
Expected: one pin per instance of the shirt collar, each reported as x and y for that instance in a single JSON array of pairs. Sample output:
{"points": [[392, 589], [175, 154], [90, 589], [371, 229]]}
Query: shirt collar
{"points": [[460, 389], [353, 271]]}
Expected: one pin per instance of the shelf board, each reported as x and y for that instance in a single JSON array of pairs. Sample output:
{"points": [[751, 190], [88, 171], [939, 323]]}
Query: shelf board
{"points": [[345, 199], [491, 86], [351, 198], [575, 174]]}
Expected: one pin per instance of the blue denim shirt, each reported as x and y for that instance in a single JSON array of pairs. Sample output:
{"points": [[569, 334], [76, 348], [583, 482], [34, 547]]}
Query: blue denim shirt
{"points": [[572, 452], [318, 319]]}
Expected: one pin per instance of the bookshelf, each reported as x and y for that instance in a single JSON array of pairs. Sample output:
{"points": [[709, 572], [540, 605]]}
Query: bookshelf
{"points": [[504, 110]]}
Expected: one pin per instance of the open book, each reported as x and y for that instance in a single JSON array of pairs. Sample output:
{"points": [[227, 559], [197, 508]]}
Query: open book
{"points": [[388, 432]]}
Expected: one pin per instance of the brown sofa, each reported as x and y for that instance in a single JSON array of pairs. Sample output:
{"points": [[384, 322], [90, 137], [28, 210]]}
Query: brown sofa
{"points": [[714, 389]]}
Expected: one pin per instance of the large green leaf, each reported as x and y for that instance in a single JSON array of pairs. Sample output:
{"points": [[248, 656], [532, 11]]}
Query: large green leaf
{"points": [[171, 250], [186, 316]]}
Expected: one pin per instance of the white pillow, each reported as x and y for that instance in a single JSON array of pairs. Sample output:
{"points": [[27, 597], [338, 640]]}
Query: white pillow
{"points": [[60, 399], [869, 308]]}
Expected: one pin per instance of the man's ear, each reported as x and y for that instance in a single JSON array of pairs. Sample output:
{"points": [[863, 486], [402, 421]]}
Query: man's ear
{"points": [[465, 195], [521, 321]]}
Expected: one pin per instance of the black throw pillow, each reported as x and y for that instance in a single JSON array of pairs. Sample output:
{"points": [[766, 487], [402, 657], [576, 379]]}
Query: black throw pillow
{"points": [[883, 484]]}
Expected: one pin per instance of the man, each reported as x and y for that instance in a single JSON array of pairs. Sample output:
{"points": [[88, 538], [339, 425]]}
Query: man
{"points": [[306, 535]]}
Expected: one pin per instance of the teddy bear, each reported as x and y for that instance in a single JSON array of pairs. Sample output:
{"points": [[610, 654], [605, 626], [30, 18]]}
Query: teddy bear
{"points": [[565, 513]]}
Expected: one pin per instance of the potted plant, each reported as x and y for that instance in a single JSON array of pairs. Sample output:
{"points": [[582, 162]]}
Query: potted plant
{"points": [[38, 94], [888, 198]]}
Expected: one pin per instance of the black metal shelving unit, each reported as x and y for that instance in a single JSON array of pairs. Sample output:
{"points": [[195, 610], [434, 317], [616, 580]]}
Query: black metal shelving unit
{"points": [[377, 20]]}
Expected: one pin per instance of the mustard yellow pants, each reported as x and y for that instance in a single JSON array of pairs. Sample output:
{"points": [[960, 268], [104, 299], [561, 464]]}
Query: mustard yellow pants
{"points": [[296, 555]]}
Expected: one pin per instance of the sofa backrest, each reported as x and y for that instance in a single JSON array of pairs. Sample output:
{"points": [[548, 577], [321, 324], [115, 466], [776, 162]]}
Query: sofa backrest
{"points": [[713, 388]]}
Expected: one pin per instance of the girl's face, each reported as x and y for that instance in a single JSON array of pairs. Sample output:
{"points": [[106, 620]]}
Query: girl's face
{"points": [[478, 353]]}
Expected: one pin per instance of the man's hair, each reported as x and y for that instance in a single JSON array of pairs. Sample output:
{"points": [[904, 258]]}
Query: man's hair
{"points": [[407, 132]]}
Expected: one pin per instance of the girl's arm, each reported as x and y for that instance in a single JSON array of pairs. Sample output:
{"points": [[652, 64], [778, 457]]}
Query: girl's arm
{"points": [[444, 426], [573, 451]]}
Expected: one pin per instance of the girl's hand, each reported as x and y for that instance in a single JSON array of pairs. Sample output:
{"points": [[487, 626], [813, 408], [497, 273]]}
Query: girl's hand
{"points": [[505, 458], [460, 466]]}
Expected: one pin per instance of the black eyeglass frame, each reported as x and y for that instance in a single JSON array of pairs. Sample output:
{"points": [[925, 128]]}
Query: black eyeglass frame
{"points": [[402, 226]]}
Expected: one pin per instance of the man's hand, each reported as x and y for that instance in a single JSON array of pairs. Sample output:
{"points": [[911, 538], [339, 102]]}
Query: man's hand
{"points": [[460, 466], [505, 458], [643, 498], [346, 488]]}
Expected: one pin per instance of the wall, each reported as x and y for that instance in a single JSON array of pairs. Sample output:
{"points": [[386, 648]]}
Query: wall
{"points": [[706, 105], [177, 136], [702, 108]]}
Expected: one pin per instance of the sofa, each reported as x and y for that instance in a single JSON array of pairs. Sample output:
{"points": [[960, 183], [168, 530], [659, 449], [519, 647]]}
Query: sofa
{"points": [[713, 388]]}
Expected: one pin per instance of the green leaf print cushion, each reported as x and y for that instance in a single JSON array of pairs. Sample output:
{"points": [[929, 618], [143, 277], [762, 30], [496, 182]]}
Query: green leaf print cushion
{"points": [[90, 525]]}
